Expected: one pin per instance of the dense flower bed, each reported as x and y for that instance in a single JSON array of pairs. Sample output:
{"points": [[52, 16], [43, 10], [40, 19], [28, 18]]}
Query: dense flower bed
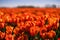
{"points": [[29, 24]]}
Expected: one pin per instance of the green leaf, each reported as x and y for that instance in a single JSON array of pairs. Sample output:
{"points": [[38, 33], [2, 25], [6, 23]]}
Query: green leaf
{"points": [[31, 38], [57, 33], [40, 38], [46, 22], [3, 29]]}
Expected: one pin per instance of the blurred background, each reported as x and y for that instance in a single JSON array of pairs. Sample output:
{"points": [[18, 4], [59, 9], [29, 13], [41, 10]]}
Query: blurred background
{"points": [[30, 3]]}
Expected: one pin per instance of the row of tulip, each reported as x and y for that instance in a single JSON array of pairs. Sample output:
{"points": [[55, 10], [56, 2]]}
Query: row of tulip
{"points": [[29, 24]]}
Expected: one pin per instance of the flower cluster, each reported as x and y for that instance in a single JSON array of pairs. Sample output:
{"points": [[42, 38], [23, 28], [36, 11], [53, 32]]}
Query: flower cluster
{"points": [[29, 24]]}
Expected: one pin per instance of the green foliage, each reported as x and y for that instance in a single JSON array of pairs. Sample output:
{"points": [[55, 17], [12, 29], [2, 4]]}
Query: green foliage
{"points": [[3, 29], [46, 22]]}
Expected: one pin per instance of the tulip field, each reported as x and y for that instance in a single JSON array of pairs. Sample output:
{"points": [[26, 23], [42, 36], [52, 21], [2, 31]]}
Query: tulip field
{"points": [[29, 23]]}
